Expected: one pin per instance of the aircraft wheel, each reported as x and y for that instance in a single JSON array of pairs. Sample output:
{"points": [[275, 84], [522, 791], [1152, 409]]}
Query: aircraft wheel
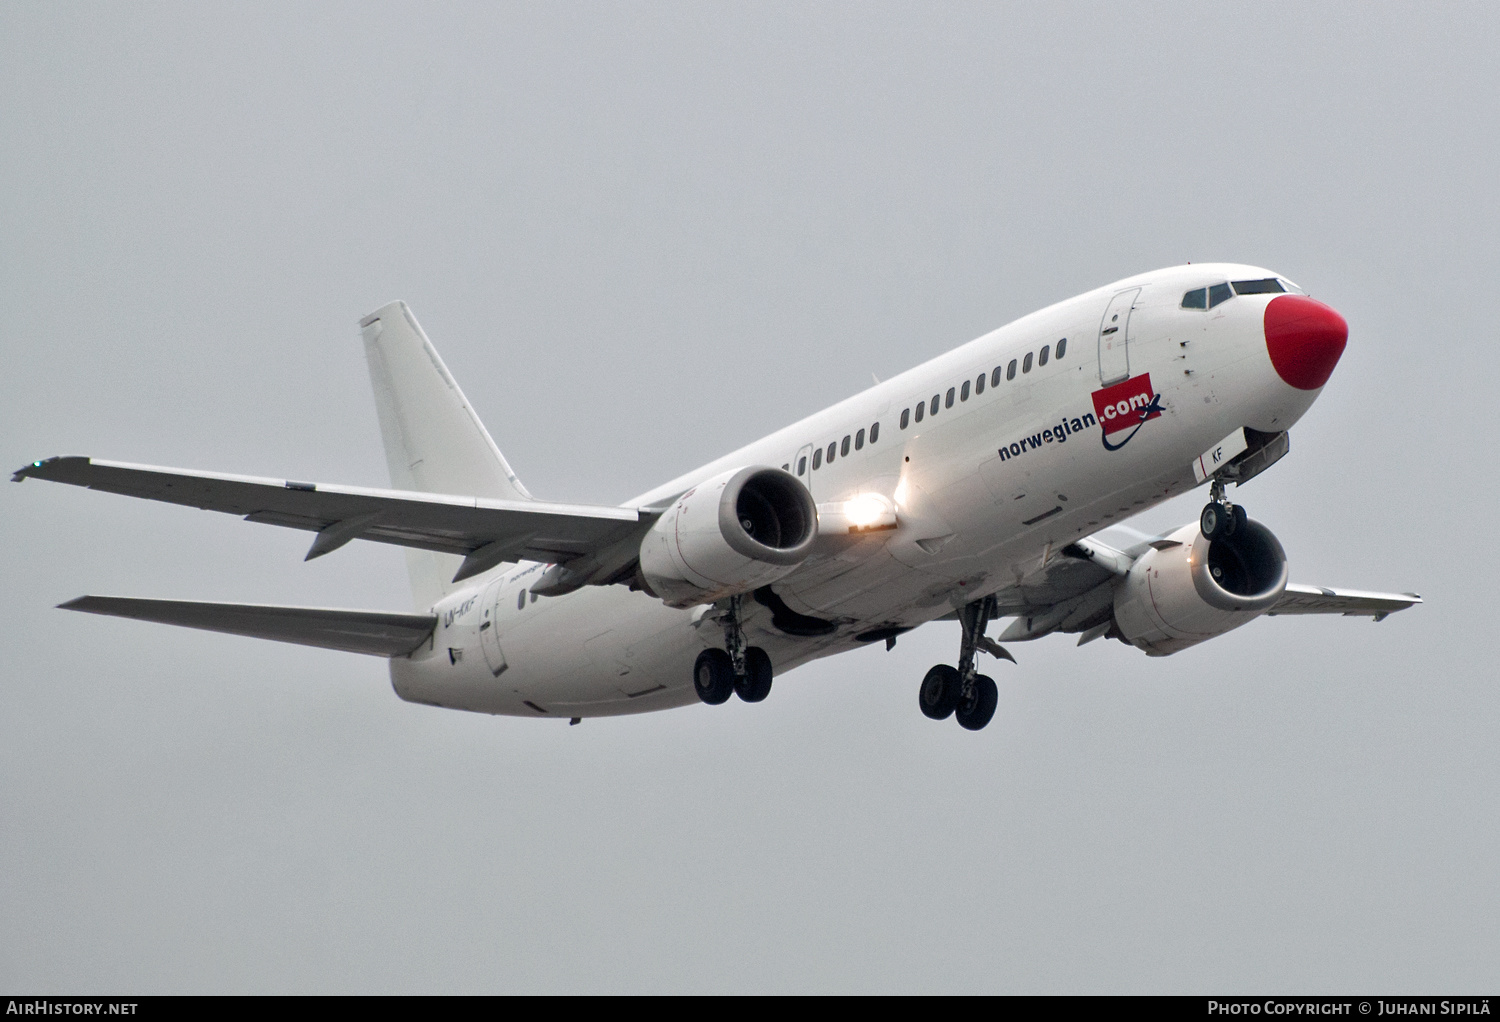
{"points": [[756, 684], [1214, 521], [713, 676], [975, 712], [939, 692], [1237, 520]]}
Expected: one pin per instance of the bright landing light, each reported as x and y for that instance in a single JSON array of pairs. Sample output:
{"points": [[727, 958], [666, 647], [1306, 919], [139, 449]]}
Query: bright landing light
{"points": [[865, 510]]}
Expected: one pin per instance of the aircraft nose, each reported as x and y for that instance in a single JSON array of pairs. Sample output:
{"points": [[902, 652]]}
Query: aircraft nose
{"points": [[1305, 339]]}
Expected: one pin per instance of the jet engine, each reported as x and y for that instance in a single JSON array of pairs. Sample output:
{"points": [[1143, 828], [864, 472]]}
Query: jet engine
{"points": [[1187, 588], [732, 534]]}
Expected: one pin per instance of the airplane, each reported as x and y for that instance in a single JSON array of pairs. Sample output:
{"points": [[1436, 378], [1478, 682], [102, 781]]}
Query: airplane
{"points": [[977, 486]]}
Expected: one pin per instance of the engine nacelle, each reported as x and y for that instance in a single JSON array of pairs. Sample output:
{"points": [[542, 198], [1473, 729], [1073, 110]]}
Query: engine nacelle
{"points": [[732, 534], [1178, 596]]}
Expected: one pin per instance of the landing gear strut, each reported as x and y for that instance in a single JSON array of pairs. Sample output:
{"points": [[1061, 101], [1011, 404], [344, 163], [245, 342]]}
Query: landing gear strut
{"points": [[738, 668], [1220, 519], [962, 690]]}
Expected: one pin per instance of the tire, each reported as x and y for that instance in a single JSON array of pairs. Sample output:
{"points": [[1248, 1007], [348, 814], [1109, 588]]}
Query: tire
{"points": [[1237, 521], [713, 676], [756, 684], [939, 692], [975, 713], [1213, 520]]}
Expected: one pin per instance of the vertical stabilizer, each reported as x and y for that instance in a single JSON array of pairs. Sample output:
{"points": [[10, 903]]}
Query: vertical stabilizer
{"points": [[434, 443]]}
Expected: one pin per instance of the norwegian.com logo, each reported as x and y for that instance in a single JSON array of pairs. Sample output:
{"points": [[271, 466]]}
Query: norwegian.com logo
{"points": [[1129, 404]]}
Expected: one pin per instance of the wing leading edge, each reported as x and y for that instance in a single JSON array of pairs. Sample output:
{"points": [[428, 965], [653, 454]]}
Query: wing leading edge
{"points": [[594, 541], [375, 633]]}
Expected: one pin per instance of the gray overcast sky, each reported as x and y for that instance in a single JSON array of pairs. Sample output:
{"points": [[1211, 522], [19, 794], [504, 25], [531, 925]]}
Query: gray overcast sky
{"points": [[641, 235]]}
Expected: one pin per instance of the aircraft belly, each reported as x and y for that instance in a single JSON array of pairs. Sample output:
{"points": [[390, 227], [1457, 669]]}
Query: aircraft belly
{"points": [[865, 591]]}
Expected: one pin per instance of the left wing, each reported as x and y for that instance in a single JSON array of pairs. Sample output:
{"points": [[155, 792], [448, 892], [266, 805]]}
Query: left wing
{"points": [[1060, 597], [597, 544], [1348, 602]]}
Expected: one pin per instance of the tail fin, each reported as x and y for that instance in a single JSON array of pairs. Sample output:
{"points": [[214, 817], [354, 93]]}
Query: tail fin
{"points": [[434, 443]]}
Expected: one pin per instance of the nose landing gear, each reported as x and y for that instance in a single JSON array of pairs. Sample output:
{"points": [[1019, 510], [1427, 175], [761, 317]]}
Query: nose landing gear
{"points": [[1220, 519], [738, 669], [962, 691]]}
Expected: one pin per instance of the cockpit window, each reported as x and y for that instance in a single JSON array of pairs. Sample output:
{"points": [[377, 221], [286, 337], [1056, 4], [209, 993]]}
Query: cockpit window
{"points": [[1219, 294], [1196, 299], [1293, 288], [1268, 286]]}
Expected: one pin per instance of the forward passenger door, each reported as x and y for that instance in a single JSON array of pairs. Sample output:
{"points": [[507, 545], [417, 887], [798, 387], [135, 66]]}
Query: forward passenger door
{"points": [[1114, 338]]}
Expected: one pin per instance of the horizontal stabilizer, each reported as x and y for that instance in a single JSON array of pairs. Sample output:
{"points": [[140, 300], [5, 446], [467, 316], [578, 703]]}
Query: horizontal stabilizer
{"points": [[353, 631]]}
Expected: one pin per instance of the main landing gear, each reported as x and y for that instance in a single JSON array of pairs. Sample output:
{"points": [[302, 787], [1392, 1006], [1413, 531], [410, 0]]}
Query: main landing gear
{"points": [[738, 669], [1220, 519], [961, 691]]}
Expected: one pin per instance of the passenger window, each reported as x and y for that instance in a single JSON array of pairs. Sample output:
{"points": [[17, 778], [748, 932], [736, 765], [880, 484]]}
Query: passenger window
{"points": [[963, 395], [948, 403], [874, 432], [1010, 373], [1196, 299], [844, 447], [935, 399], [1062, 346], [831, 448], [921, 410], [979, 385], [1219, 294], [533, 597], [1026, 363], [521, 600], [905, 417], [859, 440], [802, 465], [786, 468], [818, 458], [995, 377], [1042, 358]]}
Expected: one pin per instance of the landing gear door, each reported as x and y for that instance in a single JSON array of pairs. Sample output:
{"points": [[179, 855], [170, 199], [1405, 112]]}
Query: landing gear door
{"points": [[1114, 338], [489, 628]]}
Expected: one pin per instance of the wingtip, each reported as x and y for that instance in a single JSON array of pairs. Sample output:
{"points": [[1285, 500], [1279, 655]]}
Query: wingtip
{"points": [[37, 468], [21, 474]]}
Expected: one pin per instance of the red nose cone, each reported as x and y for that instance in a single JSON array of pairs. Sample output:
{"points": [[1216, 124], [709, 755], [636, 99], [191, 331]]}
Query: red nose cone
{"points": [[1305, 339]]}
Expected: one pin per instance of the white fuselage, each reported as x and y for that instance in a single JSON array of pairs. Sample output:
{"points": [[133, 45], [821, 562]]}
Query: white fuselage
{"points": [[986, 489]]}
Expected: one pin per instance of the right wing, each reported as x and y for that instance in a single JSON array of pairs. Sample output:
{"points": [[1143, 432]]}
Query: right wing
{"points": [[598, 544], [353, 631]]}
